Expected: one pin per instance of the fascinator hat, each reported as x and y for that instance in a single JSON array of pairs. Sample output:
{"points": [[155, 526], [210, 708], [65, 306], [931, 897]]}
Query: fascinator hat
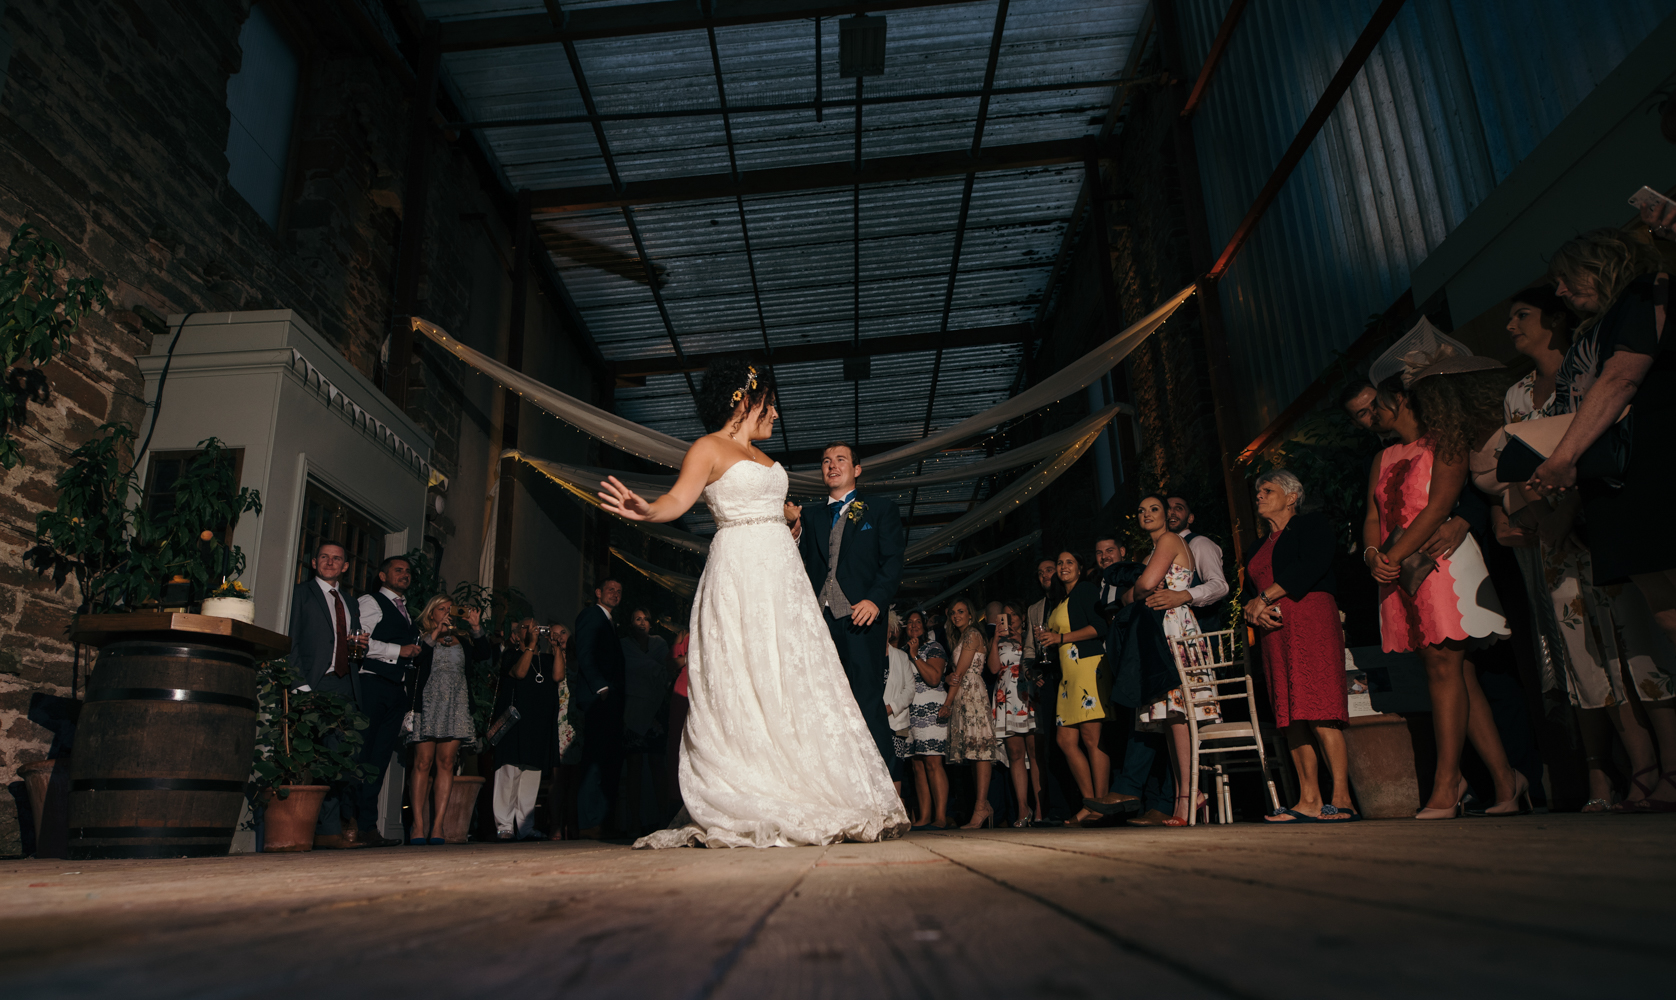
{"points": [[1445, 359]]}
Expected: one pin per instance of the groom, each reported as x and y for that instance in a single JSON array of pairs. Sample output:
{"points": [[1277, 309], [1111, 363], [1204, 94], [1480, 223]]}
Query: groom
{"points": [[853, 551]]}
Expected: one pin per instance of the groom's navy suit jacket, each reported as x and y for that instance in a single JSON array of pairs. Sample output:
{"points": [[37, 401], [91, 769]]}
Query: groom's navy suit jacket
{"points": [[870, 560]]}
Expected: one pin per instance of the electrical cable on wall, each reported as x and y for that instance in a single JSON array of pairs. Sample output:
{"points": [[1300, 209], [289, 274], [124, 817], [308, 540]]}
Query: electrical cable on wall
{"points": [[157, 401]]}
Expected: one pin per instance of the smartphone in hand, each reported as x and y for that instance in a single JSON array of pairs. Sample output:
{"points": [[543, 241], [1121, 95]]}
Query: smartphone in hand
{"points": [[1648, 198]]}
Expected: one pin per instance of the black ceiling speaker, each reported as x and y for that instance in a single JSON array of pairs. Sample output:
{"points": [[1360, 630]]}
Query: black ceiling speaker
{"points": [[861, 46]]}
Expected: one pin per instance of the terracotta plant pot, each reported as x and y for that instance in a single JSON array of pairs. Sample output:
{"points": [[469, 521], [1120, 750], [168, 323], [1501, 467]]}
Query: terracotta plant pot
{"points": [[288, 823], [49, 802], [456, 822], [1382, 766]]}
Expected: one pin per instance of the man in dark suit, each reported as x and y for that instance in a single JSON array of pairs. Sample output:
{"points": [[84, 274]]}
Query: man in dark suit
{"points": [[599, 688], [853, 550], [323, 622]]}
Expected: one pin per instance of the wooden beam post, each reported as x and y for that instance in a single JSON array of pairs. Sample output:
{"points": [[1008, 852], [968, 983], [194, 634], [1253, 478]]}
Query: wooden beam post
{"points": [[416, 189]]}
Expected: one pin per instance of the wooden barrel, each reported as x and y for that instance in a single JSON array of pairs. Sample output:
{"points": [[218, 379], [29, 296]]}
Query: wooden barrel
{"points": [[163, 749]]}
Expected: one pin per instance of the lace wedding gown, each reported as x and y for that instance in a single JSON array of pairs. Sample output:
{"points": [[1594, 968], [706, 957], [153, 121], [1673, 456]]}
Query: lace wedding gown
{"points": [[775, 752]]}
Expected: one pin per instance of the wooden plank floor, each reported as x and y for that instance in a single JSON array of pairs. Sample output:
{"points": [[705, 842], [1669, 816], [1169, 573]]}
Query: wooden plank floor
{"points": [[1563, 906]]}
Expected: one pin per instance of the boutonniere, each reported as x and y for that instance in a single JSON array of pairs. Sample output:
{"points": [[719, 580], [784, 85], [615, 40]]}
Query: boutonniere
{"points": [[857, 511]]}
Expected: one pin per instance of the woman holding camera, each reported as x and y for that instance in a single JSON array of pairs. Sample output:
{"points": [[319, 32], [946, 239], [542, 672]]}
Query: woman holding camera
{"points": [[533, 671], [442, 710], [1013, 708]]}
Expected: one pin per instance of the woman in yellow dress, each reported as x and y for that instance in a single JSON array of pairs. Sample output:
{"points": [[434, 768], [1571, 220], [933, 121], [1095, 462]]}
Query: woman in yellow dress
{"points": [[1076, 627]]}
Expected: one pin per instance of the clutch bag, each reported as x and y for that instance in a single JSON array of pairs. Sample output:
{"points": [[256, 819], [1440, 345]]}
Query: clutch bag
{"points": [[1412, 571], [499, 728]]}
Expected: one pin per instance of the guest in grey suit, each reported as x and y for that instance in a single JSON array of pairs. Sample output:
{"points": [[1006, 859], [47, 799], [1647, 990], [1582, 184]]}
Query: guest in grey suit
{"points": [[323, 624]]}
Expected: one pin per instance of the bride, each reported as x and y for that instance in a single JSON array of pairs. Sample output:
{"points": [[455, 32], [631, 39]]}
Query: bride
{"points": [[775, 752]]}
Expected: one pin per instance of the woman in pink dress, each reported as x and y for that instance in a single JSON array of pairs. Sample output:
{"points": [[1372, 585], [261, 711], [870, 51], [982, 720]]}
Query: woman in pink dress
{"points": [[1413, 487]]}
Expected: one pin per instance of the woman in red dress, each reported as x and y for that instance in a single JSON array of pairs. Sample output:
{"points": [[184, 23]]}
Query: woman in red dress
{"points": [[1302, 642]]}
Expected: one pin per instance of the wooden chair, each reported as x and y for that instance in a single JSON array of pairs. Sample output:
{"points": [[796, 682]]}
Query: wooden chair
{"points": [[1213, 674]]}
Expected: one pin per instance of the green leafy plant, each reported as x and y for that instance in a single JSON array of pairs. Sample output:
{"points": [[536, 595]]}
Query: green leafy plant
{"points": [[120, 554], [38, 315], [304, 738]]}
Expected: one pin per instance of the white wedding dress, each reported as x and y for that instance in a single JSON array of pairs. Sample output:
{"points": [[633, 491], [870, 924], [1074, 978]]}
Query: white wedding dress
{"points": [[775, 752]]}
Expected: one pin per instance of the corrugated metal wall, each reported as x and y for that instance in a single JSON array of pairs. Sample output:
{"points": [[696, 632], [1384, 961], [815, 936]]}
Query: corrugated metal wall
{"points": [[1455, 95]]}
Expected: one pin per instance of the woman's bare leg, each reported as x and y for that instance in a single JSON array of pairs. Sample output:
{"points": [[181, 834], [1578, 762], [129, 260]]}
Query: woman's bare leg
{"points": [[424, 757], [939, 789], [1019, 770], [1304, 762], [1070, 744], [1099, 762], [1481, 729], [446, 753], [1330, 738], [982, 772], [922, 793], [1187, 786], [1445, 680]]}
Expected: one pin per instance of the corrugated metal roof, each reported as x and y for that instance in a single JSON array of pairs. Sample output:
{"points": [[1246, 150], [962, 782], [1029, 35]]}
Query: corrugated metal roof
{"points": [[1453, 97], [804, 244]]}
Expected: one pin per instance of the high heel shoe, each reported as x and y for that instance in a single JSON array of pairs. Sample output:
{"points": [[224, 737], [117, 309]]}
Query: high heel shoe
{"points": [[978, 824], [1519, 804], [1201, 805], [1453, 812]]}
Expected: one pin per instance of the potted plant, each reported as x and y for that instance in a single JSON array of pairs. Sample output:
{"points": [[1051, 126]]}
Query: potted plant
{"points": [[230, 600], [304, 741], [124, 554]]}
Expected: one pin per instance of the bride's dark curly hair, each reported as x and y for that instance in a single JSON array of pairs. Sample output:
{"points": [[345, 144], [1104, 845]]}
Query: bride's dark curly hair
{"points": [[732, 380]]}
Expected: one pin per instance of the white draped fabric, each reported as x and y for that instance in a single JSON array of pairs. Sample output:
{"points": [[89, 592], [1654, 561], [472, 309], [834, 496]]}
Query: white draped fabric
{"points": [[1002, 503], [930, 575], [626, 435], [668, 579]]}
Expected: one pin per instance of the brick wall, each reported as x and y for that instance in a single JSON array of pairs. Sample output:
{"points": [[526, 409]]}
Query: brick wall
{"points": [[113, 122]]}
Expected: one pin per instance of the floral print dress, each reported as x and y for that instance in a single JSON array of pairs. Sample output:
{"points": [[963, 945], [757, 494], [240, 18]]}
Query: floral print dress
{"points": [[1013, 710], [1180, 622], [971, 733], [929, 734], [1588, 633]]}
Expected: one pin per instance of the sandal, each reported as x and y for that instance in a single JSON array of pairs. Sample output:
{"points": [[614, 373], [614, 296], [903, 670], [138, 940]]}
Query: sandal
{"points": [[1333, 814], [1596, 806], [1287, 817], [1639, 805]]}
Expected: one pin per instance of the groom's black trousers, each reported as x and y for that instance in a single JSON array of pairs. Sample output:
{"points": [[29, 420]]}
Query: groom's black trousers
{"points": [[862, 651]]}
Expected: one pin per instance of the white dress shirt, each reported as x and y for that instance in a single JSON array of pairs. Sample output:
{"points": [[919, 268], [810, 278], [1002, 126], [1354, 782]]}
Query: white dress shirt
{"points": [[371, 615], [1207, 559]]}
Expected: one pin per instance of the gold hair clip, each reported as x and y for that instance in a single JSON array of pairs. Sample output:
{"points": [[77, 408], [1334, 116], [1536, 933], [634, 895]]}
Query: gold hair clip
{"points": [[750, 383], [738, 394]]}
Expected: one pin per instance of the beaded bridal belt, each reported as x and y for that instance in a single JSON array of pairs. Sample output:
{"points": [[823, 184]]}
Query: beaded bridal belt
{"points": [[737, 522]]}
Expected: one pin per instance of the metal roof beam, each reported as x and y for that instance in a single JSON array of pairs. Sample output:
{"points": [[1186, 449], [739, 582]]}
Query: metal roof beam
{"points": [[782, 180], [1015, 333], [649, 19]]}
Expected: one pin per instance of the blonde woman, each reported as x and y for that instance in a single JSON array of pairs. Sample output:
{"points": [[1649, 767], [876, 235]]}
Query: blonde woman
{"points": [[1619, 356], [971, 733], [442, 710]]}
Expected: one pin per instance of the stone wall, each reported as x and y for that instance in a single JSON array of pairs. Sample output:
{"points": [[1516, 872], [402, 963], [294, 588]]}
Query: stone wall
{"points": [[113, 125]]}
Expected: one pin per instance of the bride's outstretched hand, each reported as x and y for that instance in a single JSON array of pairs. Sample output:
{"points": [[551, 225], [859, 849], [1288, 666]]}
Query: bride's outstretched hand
{"points": [[624, 502]]}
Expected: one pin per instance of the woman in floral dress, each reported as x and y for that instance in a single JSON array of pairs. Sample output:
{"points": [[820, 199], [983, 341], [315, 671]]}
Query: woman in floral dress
{"points": [[971, 734], [1170, 567], [928, 742], [1598, 634], [1013, 709]]}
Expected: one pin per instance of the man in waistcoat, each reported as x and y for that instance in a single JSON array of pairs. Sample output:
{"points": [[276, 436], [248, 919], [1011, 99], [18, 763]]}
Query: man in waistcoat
{"points": [[385, 693], [853, 549]]}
